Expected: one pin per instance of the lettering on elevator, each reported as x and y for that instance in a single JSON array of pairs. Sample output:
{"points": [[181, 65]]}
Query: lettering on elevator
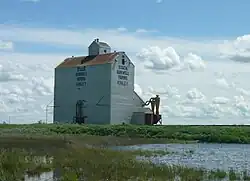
{"points": [[81, 76], [122, 75]]}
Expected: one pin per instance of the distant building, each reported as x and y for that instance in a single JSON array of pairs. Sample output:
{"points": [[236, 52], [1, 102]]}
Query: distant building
{"points": [[98, 89]]}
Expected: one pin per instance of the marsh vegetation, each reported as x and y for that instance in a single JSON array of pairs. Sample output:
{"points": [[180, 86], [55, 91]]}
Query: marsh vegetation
{"points": [[83, 153]]}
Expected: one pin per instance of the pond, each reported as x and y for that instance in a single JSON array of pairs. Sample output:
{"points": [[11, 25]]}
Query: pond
{"points": [[209, 156]]}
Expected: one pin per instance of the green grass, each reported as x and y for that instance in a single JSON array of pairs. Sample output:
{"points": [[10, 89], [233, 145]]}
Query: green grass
{"points": [[210, 134], [75, 157]]}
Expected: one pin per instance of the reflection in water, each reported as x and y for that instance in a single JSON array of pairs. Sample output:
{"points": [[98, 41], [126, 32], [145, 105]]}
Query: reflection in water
{"points": [[209, 156], [48, 176]]}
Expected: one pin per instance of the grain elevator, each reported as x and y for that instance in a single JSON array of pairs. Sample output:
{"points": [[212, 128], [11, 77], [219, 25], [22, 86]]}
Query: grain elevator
{"points": [[99, 89]]}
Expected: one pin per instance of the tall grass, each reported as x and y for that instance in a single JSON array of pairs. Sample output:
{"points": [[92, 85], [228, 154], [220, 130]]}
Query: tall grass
{"points": [[97, 164]]}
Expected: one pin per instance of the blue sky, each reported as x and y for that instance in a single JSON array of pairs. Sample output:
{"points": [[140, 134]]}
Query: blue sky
{"points": [[179, 18], [193, 19]]}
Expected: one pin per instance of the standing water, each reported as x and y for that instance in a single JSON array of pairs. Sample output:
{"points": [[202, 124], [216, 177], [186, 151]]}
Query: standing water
{"points": [[208, 156]]}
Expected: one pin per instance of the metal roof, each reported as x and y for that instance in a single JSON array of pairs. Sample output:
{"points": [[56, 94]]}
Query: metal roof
{"points": [[88, 60]]}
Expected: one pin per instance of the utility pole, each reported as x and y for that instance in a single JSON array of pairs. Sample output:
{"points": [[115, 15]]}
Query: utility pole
{"points": [[47, 108]]}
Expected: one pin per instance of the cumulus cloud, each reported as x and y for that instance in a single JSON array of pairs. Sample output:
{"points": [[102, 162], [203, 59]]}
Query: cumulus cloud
{"points": [[159, 59], [195, 95], [242, 106], [168, 91], [42, 86], [194, 62], [220, 100], [243, 91], [8, 75], [237, 49], [222, 82]]}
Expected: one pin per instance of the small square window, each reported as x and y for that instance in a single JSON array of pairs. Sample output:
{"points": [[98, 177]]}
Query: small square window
{"points": [[105, 51]]}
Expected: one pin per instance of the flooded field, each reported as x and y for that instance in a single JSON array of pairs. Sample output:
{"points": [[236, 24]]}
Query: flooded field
{"points": [[224, 157], [209, 156], [74, 158]]}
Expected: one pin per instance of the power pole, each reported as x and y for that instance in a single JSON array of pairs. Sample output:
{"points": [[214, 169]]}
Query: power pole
{"points": [[46, 110]]}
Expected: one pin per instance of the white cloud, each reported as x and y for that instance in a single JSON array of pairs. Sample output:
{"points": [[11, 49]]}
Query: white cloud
{"points": [[243, 91], [42, 86], [194, 62], [7, 74], [157, 59], [237, 49], [142, 30], [222, 82], [220, 100], [121, 29], [131, 41], [194, 95]]}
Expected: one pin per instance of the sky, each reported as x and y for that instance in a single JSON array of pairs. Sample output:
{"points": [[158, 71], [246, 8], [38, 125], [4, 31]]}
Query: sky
{"points": [[194, 54]]}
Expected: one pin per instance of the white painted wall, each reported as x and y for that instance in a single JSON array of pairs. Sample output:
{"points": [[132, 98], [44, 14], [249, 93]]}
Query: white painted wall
{"points": [[122, 95], [67, 93]]}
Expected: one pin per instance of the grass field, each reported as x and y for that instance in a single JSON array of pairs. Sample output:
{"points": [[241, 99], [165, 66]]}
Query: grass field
{"points": [[81, 152], [210, 134]]}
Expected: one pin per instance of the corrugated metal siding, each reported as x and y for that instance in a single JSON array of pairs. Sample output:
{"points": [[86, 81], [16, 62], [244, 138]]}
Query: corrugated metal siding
{"points": [[98, 48], [96, 89], [93, 49], [64, 95], [122, 105]]}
